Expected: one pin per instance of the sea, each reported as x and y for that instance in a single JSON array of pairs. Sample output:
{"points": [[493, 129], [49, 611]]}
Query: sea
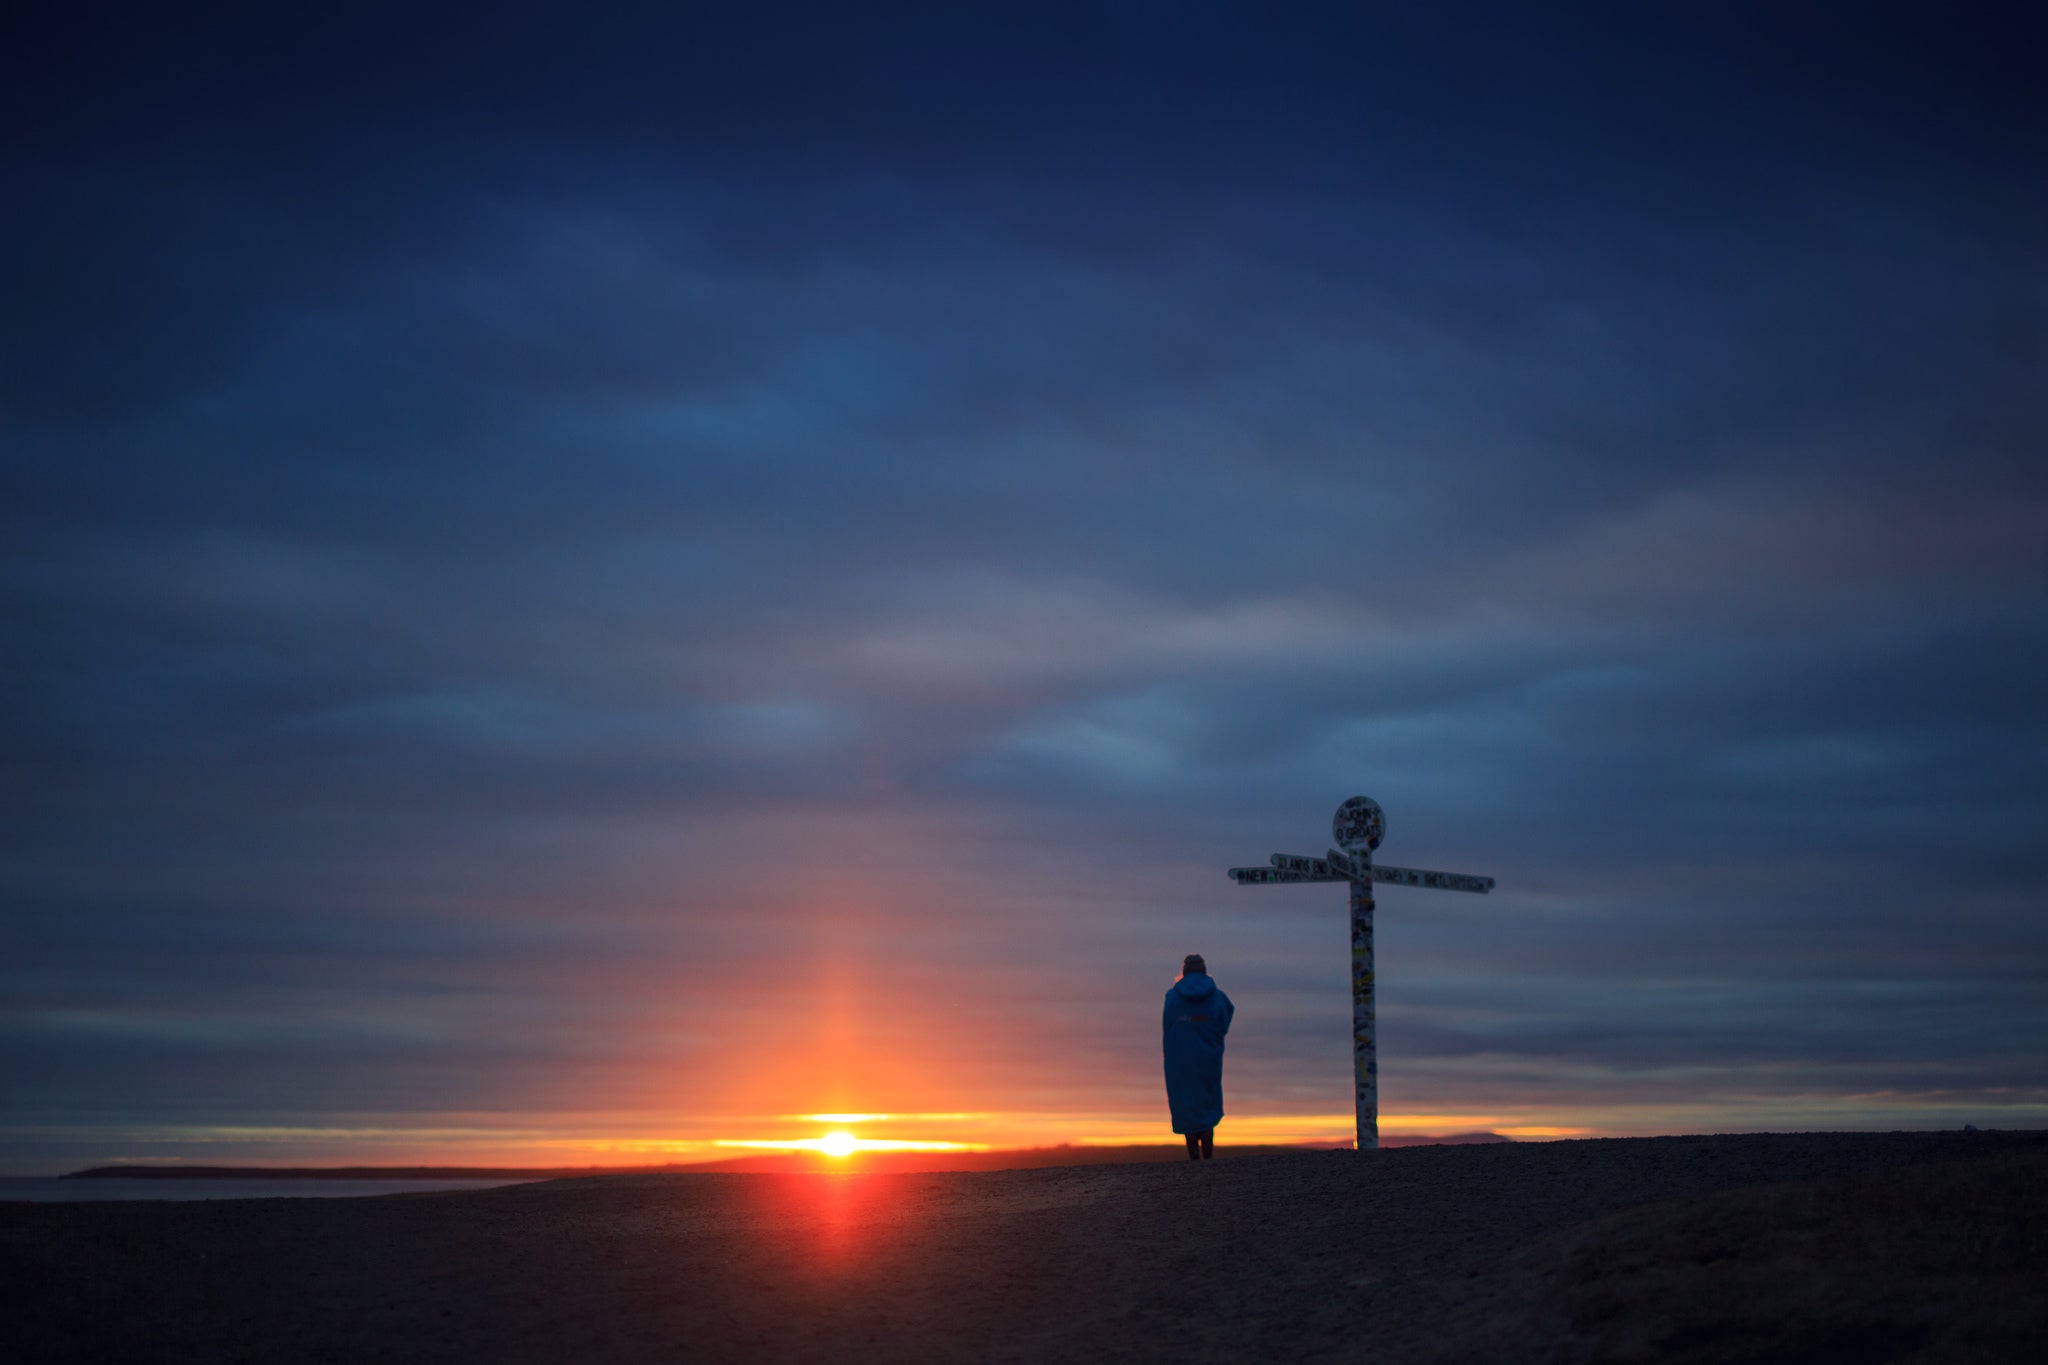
{"points": [[51, 1190]]}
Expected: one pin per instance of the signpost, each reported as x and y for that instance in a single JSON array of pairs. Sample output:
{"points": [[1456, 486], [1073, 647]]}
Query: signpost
{"points": [[1358, 828]]}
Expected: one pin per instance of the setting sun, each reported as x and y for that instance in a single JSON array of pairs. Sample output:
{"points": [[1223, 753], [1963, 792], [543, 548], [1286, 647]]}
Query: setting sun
{"points": [[838, 1144]]}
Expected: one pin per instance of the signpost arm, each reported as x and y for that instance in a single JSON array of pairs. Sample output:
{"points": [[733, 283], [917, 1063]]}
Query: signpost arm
{"points": [[1364, 1039]]}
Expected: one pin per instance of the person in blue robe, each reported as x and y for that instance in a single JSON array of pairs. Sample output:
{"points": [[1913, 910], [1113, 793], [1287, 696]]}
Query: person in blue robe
{"points": [[1197, 1016]]}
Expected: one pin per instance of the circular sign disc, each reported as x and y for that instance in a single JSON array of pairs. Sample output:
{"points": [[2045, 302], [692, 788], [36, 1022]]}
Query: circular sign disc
{"points": [[1360, 823]]}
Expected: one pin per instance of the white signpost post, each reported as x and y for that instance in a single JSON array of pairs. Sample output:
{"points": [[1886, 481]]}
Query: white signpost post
{"points": [[1358, 828]]}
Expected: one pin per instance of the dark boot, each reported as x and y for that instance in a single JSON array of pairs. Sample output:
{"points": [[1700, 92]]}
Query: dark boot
{"points": [[1194, 1147], [1209, 1144]]}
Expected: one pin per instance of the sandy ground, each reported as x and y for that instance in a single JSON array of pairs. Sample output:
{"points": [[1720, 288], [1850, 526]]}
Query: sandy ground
{"points": [[1903, 1247]]}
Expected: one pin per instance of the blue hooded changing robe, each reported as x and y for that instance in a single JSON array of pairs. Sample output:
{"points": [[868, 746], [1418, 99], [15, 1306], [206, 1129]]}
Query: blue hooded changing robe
{"points": [[1197, 1016]]}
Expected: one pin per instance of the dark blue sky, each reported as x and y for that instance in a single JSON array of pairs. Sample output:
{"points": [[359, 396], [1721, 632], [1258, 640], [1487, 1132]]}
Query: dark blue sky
{"points": [[577, 578]]}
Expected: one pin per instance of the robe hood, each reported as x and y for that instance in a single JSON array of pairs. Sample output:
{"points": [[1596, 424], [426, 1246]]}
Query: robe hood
{"points": [[1195, 986]]}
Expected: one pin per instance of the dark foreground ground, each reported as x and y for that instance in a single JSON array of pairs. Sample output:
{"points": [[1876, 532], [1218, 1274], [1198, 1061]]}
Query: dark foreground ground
{"points": [[1906, 1247]]}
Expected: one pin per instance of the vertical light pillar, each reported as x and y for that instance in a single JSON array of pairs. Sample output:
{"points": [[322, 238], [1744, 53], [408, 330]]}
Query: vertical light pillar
{"points": [[1365, 1060]]}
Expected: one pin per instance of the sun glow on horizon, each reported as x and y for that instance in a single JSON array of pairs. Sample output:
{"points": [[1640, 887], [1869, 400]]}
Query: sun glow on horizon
{"points": [[845, 1144], [813, 1141], [838, 1134]]}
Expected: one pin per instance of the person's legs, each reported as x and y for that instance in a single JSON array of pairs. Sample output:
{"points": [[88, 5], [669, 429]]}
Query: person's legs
{"points": [[1208, 1144], [1194, 1147]]}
